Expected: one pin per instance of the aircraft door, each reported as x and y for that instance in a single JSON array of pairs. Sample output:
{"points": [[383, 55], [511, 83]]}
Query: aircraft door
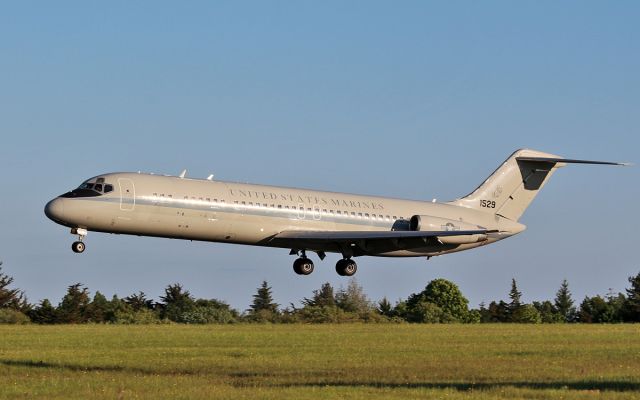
{"points": [[127, 194]]}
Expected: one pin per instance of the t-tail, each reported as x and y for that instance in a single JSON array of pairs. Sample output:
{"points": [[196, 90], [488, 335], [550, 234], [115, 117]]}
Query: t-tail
{"points": [[513, 186]]}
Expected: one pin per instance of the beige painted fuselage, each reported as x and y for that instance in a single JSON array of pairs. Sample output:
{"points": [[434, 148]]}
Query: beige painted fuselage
{"points": [[180, 208]]}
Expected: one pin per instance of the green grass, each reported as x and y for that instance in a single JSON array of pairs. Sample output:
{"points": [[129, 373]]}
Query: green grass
{"points": [[320, 361]]}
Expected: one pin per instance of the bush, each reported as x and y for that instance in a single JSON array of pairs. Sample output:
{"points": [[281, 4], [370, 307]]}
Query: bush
{"points": [[208, 315], [140, 317], [526, 314], [10, 316]]}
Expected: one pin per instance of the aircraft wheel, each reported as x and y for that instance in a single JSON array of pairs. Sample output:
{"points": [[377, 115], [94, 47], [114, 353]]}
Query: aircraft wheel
{"points": [[303, 266], [77, 247], [346, 267]]}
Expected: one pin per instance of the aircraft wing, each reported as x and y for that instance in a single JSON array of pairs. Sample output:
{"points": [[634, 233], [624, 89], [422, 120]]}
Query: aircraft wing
{"points": [[364, 242]]}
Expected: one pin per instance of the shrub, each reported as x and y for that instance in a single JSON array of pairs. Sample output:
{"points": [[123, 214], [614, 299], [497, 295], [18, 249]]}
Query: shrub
{"points": [[10, 316]]}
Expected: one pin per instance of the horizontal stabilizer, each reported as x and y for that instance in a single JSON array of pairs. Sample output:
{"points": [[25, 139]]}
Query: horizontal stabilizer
{"points": [[570, 161]]}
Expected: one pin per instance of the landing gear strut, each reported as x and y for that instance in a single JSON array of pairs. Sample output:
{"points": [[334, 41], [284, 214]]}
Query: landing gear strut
{"points": [[78, 246], [302, 265], [346, 267]]}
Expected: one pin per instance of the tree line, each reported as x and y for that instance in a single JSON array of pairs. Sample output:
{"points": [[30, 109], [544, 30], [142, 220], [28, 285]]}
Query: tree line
{"points": [[441, 301]]}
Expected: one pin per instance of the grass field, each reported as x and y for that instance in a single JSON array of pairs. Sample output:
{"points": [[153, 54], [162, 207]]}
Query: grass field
{"points": [[320, 361]]}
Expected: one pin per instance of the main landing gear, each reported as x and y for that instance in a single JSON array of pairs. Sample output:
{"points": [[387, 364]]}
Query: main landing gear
{"points": [[78, 246], [346, 267], [304, 266]]}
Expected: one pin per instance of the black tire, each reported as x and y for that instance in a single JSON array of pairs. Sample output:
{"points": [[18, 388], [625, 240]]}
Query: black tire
{"points": [[303, 266], [346, 267], [78, 247], [340, 266], [350, 268]]}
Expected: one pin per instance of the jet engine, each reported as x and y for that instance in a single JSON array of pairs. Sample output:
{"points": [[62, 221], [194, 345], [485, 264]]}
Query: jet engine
{"points": [[430, 223]]}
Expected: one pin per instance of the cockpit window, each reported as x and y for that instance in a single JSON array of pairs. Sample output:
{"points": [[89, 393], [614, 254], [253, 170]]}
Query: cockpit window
{"points": [[90, 189]]}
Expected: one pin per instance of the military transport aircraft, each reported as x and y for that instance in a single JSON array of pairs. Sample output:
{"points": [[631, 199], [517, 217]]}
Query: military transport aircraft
{"points": [[306, 220]]}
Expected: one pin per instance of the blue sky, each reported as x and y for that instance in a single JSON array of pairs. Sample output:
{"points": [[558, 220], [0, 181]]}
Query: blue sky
{"points": [[413, 99]]}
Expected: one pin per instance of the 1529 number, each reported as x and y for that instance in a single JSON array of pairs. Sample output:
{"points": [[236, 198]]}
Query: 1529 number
{"points": [[487, 203]]}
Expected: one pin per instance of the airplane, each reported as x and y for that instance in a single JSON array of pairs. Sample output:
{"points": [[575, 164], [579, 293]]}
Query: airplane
{"points": [[306, 220]]}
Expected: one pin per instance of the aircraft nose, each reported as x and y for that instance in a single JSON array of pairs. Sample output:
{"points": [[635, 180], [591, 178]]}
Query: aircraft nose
{"points": [[55, 209]]}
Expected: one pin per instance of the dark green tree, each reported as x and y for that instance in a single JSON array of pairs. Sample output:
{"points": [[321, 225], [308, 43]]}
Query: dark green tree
{"points": [[564, 303], [98, 310], [138, 301], [175, 302], [548, 312], [632, 303], [386, 308], [11, 298], [515, 303], [322, 297], [44, 313], [445, 295], [496, 312], [263, 308], [599, 309], [73, 308]]}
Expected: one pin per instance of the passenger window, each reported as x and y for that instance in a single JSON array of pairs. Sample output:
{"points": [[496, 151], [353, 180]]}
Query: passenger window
{"points": [[366, 215], [108, 188]]}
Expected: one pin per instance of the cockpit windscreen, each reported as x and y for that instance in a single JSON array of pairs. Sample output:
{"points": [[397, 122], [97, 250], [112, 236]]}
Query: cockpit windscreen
{"points": [[91, 188]]}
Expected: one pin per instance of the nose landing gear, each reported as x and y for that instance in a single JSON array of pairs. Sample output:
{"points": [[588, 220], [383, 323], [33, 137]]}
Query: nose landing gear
{"points": [[78, 246]]}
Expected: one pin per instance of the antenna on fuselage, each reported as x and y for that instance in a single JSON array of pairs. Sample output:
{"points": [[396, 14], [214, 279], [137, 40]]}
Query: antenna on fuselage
{"points": [[210, 177], [183, 174]]}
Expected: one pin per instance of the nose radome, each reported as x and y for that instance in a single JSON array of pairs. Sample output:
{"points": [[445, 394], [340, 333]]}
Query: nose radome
{"points": [[55, 209]]}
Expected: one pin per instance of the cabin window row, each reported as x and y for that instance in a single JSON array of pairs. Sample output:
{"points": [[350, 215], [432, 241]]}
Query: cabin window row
{"points": [[324, 211]]}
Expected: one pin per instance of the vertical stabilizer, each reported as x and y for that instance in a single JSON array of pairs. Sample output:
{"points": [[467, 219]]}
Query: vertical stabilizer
{"points": [[513, 186]]}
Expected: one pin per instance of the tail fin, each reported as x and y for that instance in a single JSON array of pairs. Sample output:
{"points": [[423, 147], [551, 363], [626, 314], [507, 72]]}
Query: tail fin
{"points": [[513, 186]]}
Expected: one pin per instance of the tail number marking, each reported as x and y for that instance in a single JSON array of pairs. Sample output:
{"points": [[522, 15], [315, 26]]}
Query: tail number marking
{"points": [[487, 204]]}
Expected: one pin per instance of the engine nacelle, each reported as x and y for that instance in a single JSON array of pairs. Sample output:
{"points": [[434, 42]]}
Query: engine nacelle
{"points": [[430, 223]]}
